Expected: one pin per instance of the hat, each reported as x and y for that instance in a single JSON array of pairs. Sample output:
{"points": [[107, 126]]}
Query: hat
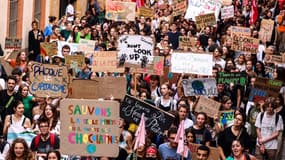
{"points": [[151, 149]]}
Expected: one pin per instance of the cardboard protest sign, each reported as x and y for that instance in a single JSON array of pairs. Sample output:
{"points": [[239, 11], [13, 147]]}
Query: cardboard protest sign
{"points": [[120, 11], [227, 12], [156, 120], [205, 20], [246, 44], [194, 63], [13, 43], [48, 80], [228, 78], [209, 106], [266, 29], [227, 118], [135, 50], [154, 69], [105, 61], [198, 7], [179, 7], [168, 77], [199, 86], [146, 12], [214, 152], [48, 49], [240, 31], [257, 94], [72, 59], [104, 87], [73, 47], [86, 45], [89, 127], [271, 86], [186, 42], [274, 58]]}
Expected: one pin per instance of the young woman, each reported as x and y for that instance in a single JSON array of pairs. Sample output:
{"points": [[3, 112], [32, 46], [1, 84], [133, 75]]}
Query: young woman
{"points": [[190, 136], [53, 155], [19, 150], [21, 61], [165, 101], [50, 112], [27, 100], [238, 152], [202, 134]]}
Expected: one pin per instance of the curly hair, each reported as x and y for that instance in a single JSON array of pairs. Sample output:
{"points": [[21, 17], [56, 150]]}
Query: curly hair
{"points": [[27, 154]]}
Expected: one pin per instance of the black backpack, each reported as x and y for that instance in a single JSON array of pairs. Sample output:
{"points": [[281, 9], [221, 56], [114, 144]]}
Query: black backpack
{"points": [[276, 118]]}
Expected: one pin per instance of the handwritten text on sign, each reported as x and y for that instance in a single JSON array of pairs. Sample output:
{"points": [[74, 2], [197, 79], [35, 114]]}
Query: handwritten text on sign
{"points": [[266, 29], [271, 86], [235, 78], [89, 127], [105, 61], [227, 12], [199, 86], [205, 20], [246, 44], [240, 31], [48, 80], [135, 49], [192, 63], [156, 119], [257, 94], [209, 106]]}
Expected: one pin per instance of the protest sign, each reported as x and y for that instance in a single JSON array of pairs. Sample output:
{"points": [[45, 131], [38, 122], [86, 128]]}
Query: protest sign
{"points": [[179, 7], [154, 69], [120, 11], [73, 47], [199, 86], [156, 120], [274, 58], [240, 31], [72, 59], [227, 118], [86, 45], [186, 42], [231, 77], [257, 94], [246, 44], [266, 29], [227, 12], [136, 50], [271, 86], [169, 77], [48, 80], [89, 127], [146, 12], [214, 152], [209, 106], [104, 87], [205, 20], [48, 49], [194, 63], [13, 43], [105, 61], [198, 7]]}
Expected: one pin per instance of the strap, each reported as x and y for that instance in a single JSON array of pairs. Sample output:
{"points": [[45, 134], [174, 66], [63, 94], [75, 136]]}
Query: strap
{"points": [[24, 121], [261, 117], [239, 134], [37, 141], [9, 102], [52, 139], [11, 118], [276, 119]]}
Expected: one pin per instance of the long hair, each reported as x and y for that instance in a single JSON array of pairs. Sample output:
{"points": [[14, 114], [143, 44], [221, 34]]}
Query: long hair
{"points": [[55, 116], [27, 155], [18, 61]]}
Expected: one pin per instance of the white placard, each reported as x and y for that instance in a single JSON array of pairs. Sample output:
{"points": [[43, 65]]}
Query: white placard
{"points": [[73, 47], [227, 12]]}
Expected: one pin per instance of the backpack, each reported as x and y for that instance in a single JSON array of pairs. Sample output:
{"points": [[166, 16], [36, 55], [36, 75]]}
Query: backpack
{"points": [[51, 137], [276, 118]]}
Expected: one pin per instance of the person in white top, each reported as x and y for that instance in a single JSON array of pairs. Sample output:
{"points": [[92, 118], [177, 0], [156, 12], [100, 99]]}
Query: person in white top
{"points": [[69, 12]]}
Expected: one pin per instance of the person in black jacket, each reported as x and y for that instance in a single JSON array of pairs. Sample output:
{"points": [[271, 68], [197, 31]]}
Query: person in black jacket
{"points": [[35, 37]]}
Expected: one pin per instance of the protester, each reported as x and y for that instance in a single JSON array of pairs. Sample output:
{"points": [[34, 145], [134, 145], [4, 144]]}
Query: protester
{"points": [[53, 155], [19, 150], [203, 153], [239, 153]]}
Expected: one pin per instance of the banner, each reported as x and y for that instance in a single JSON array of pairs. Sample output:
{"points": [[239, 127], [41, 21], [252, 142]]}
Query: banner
{"points": [[89, 127], [156, 120], [136, 50], [194, 63], [227, 118], [19, 132], [257, 94], [103, 87], [202, 21], [73, 47], [209, 106], [272, 87], [120, 11], [199, 86], [266, 29], [231, 77], [48, 80], [86, 45], [154, 69], [48, 49], [246, 44], [179, 7], [198, 7], [214, 152], [13, 43], [72, 60], [227, 12], [105, 61], [146, 12], [186, 42], [240, 31]]}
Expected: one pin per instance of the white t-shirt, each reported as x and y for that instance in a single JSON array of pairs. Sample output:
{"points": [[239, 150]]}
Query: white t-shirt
{"points": [[70, 10]]}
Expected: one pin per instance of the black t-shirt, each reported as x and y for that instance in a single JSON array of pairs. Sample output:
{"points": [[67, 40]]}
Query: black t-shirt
{"points": [[4, 99], [45, 146], [202, 135]]}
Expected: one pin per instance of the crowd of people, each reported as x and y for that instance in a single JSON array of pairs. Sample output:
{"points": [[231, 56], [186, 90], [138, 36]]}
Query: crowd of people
{"points": [[255, 133]]}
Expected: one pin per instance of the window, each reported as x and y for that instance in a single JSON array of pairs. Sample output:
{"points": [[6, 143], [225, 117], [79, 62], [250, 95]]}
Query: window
{"points": [[13, 19], [37, 10]]}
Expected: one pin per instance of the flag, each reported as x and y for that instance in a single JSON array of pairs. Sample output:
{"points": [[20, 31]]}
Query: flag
{"points": [[182, 149], [140, 134], [254, 13]]}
